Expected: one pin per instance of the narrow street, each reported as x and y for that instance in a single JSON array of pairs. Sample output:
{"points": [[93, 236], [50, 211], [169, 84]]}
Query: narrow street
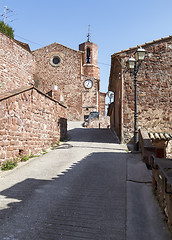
{"points": [[88, 188]]}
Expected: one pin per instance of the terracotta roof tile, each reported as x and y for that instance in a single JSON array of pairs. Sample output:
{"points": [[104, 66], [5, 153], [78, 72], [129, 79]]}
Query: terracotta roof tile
{"points": [[160, 136]]}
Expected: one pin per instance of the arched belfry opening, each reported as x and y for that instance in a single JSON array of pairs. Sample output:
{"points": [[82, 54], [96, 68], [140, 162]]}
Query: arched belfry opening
{"points": [[88, 57], [90, 51]]}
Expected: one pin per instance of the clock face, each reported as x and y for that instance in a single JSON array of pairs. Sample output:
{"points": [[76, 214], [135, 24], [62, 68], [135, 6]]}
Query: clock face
{"points": [[88, 83]]}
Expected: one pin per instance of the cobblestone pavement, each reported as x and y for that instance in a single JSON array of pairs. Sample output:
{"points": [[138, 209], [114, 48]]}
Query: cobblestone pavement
{"points": [[75, 192]]}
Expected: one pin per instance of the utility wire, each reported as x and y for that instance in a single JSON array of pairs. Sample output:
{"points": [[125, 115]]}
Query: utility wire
{"points": [[43, 46], [104, 64], [28, 40]]}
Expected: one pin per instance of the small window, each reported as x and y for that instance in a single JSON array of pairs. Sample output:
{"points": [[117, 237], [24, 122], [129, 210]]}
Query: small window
{"points": [[88, 60], [55, 61]]}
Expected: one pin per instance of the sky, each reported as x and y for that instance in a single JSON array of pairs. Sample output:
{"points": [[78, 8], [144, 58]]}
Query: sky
{"points": [[114, 25]]}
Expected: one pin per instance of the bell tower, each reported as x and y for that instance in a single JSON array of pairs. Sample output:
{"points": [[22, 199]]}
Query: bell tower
{"points": [[90, 77], [90, 54]]}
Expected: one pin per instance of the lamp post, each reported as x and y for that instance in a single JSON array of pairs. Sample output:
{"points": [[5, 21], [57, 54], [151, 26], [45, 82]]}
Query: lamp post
{"points": [[133, 64]]}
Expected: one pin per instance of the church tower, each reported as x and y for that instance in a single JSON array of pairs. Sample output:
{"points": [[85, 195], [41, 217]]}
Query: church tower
{"points": [[90, 77], [90, 55]]}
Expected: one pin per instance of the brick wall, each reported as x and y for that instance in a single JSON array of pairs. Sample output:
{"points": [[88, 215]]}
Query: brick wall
{"points": [[16, 65], [154, 88], [67, 75], [30, 122]]}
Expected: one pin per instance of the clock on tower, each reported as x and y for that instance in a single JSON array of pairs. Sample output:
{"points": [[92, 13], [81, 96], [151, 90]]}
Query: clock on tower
{"points": [[90, 77]]}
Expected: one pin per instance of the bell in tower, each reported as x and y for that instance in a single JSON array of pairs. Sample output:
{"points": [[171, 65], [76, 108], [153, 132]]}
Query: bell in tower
{"points": [[90, 77], [88, 60], [90, 54]]}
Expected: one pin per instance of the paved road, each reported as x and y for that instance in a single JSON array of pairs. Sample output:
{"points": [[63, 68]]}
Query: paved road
{"points": [[88, 188]]}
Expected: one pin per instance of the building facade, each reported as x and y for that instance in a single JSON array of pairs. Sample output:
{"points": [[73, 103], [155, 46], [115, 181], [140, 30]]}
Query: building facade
{"points": [[17, 64], [40, 90], [74, 73], [30, 119], [154, 85]]}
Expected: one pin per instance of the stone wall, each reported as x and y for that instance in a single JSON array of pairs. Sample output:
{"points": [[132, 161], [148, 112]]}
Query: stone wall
{"points": [[111, 114], [115, 108], [102, 97], [16, 65], [102, 122], [56, 94], [66, 75], [161, 173], [162, 186], [154, 88], [30, 121]]}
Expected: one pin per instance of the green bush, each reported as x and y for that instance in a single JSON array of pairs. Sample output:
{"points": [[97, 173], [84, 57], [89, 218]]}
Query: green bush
{"points": [[8, 165], [24, 158], [32, 155], [7, 30], [44, 151]]}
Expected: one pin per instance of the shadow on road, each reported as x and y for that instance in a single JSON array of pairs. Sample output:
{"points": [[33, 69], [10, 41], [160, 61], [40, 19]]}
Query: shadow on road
{"points": [[87, 201], [102, 135]]}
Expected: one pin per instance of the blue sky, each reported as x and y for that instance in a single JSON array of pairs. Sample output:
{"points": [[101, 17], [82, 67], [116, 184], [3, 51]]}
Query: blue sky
{"points": [[115, 25]]}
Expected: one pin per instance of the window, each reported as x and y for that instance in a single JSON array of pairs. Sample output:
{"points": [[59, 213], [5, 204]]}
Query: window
{"points": [[55, 60], [88, 60]]}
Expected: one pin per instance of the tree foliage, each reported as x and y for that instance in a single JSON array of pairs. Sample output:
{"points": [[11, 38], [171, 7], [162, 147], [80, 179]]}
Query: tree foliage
{"points": [[7, 30]]}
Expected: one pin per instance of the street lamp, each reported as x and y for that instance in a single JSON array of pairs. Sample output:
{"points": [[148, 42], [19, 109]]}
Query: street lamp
{"points": [[111, 96], [133, 64]]}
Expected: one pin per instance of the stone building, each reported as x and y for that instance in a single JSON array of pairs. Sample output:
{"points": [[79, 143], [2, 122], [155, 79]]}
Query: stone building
{"points": [[39, 90], [17, 64], [154, 90], [30, 120], [74, 73]]}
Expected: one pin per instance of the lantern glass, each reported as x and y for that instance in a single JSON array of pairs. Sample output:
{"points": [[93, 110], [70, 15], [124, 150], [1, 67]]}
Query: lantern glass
{"points": [[131, 63], [140, 54]]}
